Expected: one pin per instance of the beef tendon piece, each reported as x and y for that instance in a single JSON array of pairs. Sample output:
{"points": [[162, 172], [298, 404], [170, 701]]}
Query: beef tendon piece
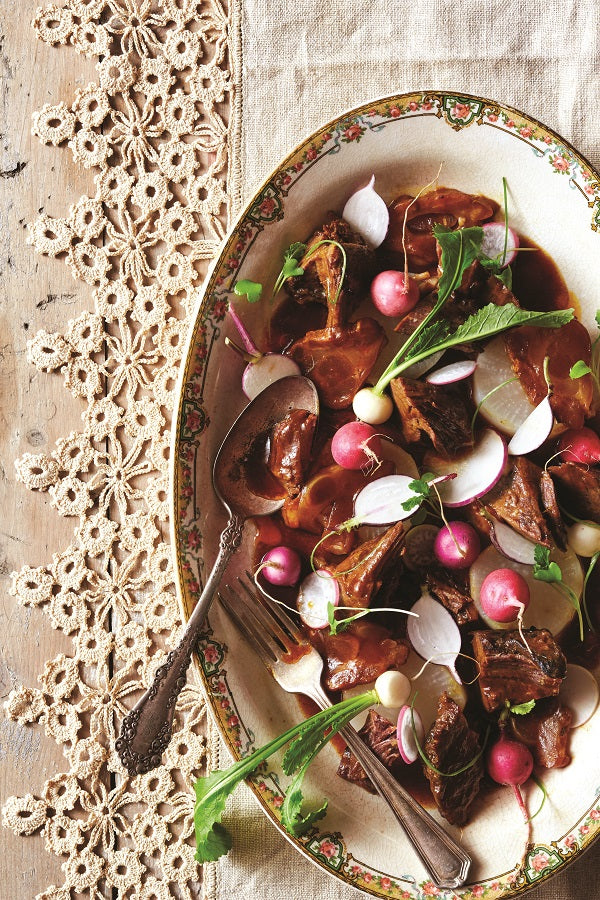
{"points": [[359, 654], [510, 671], [546, 731], [452, 591], [291, 443], [379, 734], [578, 489], [361, 575], [517, 500], [437, 411], [450, 745]]}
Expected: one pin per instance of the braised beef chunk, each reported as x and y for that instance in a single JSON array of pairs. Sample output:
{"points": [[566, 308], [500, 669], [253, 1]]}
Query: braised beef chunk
{"points": [[361, 575], [517, 500], [449, 746], [359, 654], [452, 591], [379, 734], [433, 410], [546, 731], [291, 442], [551, 510], [509, 671], [578, 489]]}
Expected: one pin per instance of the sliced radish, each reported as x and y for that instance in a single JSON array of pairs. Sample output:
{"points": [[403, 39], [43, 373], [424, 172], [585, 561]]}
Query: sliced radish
{"points": [[507, 407], [267, 369], [534, 430], [499, 243], [316, 592], [418, 547], [380, 502], [476, 471], [429, 683], [434, 634], [548, 608], [249, 345], [419, 368], [407, 744], [402, 460], [579, 691], [456, 371], [368, 214], [511, 544]]}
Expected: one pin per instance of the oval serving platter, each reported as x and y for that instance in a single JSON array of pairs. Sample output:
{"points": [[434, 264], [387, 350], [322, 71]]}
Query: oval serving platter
{"points": [[554, 199]]}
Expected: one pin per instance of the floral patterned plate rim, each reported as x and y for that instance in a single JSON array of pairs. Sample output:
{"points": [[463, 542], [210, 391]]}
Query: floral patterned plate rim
{"points": [[402, 139]]}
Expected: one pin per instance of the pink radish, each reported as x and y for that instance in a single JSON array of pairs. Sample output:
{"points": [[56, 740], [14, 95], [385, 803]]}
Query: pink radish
{"points": [[249, 345], [510, 762], [476, 471], [457, 545], [456, 371], [317, 591], [393, 294], [356, 445], [368, 214], [499, 243], [266, 369], [534, 430], [504, 595], [512, 544], [580, 445], [281, 565], [407, 744]]}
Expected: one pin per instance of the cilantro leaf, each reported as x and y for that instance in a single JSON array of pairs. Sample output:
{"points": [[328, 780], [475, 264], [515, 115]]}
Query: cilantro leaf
{"points": [[597, 317], [251, 290], [521, 709], [421, 490], [544, 569], [579, 369]]}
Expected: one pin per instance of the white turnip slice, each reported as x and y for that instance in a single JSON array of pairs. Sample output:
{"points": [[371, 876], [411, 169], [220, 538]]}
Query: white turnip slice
{"points": [[434, 634], [534, 430], [508, 406], [579, 691], [476, 471], [368, 214]]}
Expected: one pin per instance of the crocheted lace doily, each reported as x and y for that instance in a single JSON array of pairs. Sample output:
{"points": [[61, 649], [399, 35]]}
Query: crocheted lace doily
{"points": [[153, 128]]}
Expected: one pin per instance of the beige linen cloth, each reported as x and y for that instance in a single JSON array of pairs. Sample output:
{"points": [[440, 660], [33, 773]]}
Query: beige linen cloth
{"points": [[299, 63]]}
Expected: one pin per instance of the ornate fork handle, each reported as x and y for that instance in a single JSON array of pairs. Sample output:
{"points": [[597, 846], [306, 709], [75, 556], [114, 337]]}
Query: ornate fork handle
{"points": [[146, 730]]}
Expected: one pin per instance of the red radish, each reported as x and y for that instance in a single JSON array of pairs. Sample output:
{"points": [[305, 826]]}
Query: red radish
{"points": [[407, 744], [456, 371], [580, 445], [281, 565], [457, 545], [504, 595], [264, 370], [371, 407], [392, 294], [368, 214], [477, 471], [510, 762], [497, 236], [356, 445], [317, 591], [532, 433]]}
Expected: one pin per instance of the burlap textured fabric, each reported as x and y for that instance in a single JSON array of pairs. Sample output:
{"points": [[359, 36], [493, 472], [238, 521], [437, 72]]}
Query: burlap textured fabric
{"points": [[296, 65]]}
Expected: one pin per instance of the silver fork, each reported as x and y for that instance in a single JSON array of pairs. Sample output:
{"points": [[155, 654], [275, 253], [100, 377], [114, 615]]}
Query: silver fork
{"points": [[296, 666]]}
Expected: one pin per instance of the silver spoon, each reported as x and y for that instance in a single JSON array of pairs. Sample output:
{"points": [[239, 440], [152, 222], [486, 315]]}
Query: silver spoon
{"points": [[146, 730]]}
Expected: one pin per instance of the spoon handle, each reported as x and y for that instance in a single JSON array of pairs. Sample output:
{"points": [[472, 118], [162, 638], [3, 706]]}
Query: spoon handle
{"points": [[146, 729]]}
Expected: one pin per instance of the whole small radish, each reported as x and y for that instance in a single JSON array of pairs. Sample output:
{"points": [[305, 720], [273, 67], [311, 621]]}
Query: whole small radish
{"points": [[356, 445], [510, 762], [504, 595], [457, 545], [371, 407], [393, 293], [281, 565], [580, 445]]}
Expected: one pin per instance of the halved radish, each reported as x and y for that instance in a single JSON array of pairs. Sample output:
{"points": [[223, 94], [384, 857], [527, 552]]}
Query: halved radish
{"points": [[418, 547], [500, 242], [380, 502], [579, 691], [407, 744], [511, 544], [508, 406], [434, 634], [548, 608], [316, 592], [532, 433], [456, 371], [368, 214], [476, 471], [402, 460], [264, 371]]}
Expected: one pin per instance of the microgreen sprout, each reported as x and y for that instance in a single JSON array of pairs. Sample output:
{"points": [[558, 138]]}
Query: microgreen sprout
{"points": [[590, 569]]}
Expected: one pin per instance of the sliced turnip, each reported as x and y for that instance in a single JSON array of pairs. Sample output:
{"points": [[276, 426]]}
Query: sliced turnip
{"points": [[407, 743], [548, 608], [368, 214], [500, 243], [511, 544], [476, 471], [264, 371], [316, 592], [434, 634], [380, 502], [508, 406], [456, 371], [579, 691], [534, 431]]}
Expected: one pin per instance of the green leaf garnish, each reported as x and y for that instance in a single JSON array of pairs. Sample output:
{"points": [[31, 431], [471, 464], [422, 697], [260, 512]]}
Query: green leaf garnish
{"points": [[422, 490], [590, 569], [309, 736], [521, 709], [579, 369], [597, 317], [251, 290]]}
